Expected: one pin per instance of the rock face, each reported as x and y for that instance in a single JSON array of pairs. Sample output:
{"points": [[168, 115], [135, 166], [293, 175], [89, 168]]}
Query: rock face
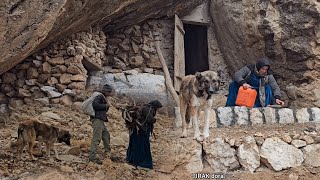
{"points": [[285, 31], [30, 25]]}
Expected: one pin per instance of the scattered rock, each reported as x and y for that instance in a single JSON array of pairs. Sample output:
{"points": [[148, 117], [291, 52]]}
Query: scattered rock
{"points": [[51, 115], [248, 154], [312, 155], [293, 176], [221, 156], [307, 138], [66, 169], [74, 150], [298, 143]]}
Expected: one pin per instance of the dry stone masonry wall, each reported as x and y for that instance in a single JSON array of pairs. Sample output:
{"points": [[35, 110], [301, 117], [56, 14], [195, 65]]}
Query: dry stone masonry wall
{"points": [[242, 116], [254, 153], [134, 47], [54, 74]]}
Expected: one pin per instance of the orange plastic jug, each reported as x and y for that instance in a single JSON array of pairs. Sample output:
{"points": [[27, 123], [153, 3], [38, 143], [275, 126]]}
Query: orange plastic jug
{"points": [[246, 97]]}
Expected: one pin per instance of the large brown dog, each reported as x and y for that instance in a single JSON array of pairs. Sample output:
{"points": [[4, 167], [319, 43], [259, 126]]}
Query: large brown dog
{"points": [[196, 95], [31, 130]]}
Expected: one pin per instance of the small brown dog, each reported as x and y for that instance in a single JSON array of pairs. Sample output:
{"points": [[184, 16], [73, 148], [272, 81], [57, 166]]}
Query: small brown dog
{"points": [[29, 131]]}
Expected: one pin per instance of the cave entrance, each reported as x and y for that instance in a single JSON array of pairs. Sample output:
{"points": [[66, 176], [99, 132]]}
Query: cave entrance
{"points": [[196, 48], [190, 49]]}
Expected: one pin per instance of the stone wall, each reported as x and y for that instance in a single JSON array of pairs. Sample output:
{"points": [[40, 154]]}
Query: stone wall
{"points": [[240, 115], [258, 152], [54, 74], [57, 74], [134, 47], [272, 142]]}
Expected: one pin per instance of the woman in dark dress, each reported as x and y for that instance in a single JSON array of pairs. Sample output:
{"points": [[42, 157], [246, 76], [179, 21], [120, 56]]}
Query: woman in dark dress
{"points": [[138, 152]]}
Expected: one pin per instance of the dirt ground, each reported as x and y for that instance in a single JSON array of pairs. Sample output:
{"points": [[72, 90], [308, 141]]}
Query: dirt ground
{"points": [[167, 164]]}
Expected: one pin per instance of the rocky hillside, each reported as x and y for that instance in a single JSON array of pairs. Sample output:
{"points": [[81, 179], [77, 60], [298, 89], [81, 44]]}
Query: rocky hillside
{"points": [[230, 152]]}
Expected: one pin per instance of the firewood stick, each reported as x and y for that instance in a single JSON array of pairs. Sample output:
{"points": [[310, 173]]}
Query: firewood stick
{"points": [[167, 76], [168, 81]]}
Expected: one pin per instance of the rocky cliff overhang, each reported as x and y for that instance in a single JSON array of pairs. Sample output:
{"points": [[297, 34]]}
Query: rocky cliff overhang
{"points": [[29, 25], [286, 31]]}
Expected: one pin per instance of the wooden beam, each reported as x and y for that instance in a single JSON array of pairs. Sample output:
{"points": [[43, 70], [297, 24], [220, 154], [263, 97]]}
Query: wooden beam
{"points": [[90, 65]]}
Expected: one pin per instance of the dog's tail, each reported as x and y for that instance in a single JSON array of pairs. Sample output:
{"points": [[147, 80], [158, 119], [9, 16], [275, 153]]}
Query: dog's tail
{"points": [[20, 130], [19, 141], [188, 115], [20, 134]]}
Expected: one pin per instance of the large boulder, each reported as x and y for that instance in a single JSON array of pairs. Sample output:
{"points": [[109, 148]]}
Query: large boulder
{"points": [[279, 155], [142, 87]]}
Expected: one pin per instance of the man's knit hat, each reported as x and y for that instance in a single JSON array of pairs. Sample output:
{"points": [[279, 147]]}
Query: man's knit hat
{"points": [[106, 88], [262, 62]]}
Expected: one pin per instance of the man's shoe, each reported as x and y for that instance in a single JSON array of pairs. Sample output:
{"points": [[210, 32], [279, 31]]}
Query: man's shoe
{"points": [[110, 156], [143, 168], [96, 160]]}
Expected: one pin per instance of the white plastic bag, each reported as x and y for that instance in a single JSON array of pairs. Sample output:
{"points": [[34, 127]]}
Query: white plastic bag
{"points": [[86, 105]]}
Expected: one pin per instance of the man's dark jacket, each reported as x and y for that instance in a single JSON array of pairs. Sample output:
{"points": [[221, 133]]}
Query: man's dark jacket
{"points": [[243, 76], [100, 106]]}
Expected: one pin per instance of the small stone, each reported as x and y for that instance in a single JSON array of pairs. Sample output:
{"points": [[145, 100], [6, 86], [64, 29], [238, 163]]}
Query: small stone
{"points": [[66, 100], [75, 150], [308, 139], [232, 142], [8, 78], [259, 140], [293, 176], [56, 61], [51, 115], [298, 143], [286, 138], [148, 70], [66, 169], [296, 136], [258, 134]]}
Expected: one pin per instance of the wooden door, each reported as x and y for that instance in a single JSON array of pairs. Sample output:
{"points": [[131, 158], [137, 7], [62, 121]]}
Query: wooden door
{"points": [[179, 58]]}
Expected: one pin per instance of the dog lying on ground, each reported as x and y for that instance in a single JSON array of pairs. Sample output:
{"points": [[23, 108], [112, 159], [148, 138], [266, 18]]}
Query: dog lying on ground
{"points": [[29, 131], [196, 95]]}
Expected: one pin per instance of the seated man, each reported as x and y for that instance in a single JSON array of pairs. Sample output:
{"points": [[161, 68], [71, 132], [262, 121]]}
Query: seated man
{"points": [[258, 77]]}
